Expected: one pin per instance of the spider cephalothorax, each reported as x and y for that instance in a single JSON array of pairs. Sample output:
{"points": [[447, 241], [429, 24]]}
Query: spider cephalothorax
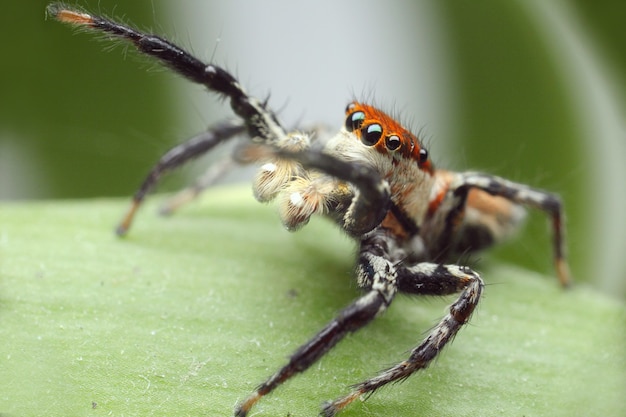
{"points": [[376, 129], [375, 180]]}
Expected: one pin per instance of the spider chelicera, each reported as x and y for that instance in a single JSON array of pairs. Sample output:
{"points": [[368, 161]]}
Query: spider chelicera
{"points": [[375, 180]]}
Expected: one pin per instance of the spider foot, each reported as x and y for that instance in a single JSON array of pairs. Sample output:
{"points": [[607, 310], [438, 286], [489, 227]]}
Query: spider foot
{"points": [[330, 409], [124, 225], [243, 408]]}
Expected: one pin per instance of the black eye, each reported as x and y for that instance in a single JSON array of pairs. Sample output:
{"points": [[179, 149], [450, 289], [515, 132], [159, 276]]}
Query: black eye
{"points": [[371, 134], [423, 155], [392, 142], [354, 121]]}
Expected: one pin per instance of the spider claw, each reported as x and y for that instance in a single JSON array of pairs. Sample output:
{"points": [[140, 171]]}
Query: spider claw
{"points": [[331, 408], [328, 410], [243, 408], [122, 229], [563, 273]]}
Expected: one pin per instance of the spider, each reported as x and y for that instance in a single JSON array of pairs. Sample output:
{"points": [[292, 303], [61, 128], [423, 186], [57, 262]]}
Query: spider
{"points": [[375, 180]]}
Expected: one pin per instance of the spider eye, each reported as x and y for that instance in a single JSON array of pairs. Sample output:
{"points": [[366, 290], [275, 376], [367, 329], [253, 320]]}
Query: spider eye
{"points": [[370, 134], [354, 121], [423, 156], [392, 142]]}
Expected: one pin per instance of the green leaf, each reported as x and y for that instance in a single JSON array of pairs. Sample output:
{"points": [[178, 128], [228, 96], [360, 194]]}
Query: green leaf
{"points": [[187, 315]]}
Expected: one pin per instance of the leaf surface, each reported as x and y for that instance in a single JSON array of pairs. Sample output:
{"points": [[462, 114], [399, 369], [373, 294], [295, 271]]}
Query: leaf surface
{"points": [[186, 315]]}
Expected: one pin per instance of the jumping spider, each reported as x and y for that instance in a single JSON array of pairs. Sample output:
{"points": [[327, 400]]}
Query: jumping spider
{"points": [[374, 178]]}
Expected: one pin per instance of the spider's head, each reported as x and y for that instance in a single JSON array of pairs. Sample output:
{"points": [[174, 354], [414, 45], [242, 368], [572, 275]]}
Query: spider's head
{"points": [[380, 131]]}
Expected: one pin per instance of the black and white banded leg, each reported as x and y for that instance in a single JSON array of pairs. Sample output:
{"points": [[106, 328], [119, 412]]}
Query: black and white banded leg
{"points": [[424, 279], [379, 277]]}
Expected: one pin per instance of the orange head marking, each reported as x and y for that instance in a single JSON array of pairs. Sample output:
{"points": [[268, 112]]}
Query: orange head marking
{"points": [[377, 129]]}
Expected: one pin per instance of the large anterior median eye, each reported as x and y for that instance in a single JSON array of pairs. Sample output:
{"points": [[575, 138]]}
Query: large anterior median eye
{"points": [[354, 121], [370, 134]]}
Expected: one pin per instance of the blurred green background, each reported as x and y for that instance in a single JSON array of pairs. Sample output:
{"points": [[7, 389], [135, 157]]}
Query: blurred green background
{"points": [[530, 90]]}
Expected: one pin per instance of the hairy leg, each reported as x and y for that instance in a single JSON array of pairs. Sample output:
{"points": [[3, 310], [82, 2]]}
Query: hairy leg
{"points": [[174, 158], [428, 279], [378, 277]]}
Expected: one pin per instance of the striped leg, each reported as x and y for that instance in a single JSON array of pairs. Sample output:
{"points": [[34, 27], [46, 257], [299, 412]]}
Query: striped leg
{"points": [[429, 279], [379, 276]]}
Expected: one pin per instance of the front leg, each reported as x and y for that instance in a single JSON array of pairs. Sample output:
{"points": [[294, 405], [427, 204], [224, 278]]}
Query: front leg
{"points": [[371, 196], [309, 181], [425, 279], [375, 274]]}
